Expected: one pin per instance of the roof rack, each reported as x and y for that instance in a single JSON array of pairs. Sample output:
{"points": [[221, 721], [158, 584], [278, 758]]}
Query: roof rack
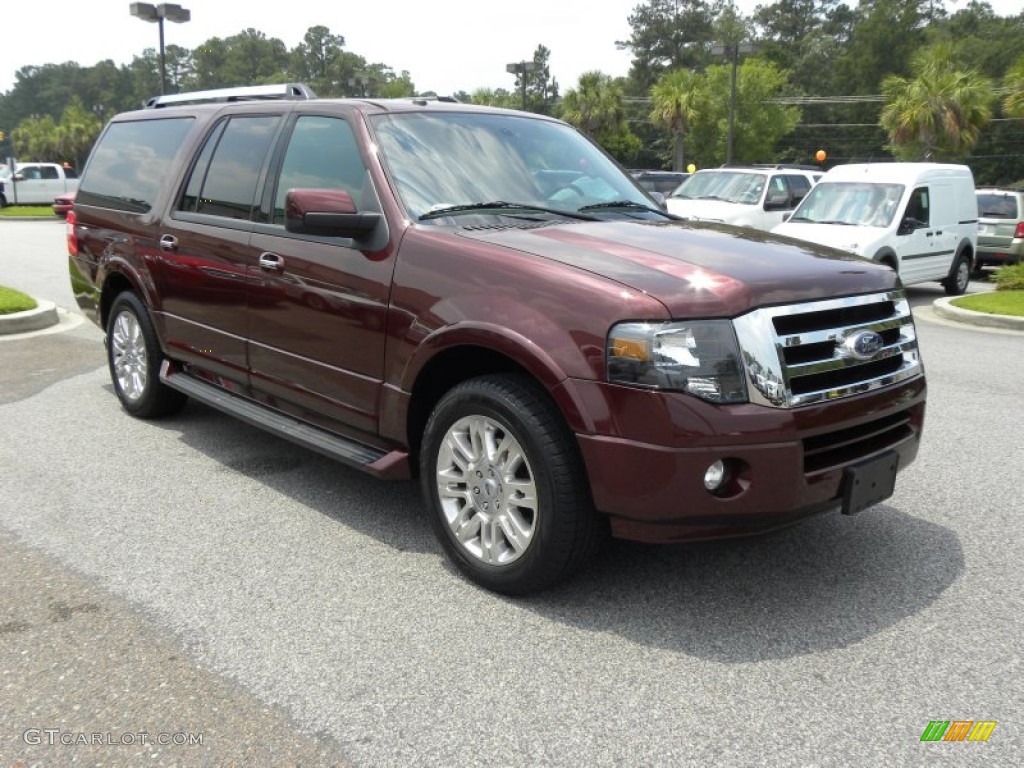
{"points": [[296, 91]]}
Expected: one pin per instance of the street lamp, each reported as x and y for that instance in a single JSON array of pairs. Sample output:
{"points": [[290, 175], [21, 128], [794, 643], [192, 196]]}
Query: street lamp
{"points": [[521, 68], [157, 13], [733, 52]]}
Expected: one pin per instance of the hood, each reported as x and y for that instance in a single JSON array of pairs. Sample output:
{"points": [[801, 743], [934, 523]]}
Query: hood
{"points": [[698, 270], [861, 240], [708, 210]]}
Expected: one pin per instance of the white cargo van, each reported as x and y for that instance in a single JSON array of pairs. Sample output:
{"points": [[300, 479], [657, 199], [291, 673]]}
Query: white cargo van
{"points": [[919, 218]]}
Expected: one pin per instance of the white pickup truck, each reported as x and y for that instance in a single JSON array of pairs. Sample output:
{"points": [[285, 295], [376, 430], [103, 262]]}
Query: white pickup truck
{"points": [[35, 183]]}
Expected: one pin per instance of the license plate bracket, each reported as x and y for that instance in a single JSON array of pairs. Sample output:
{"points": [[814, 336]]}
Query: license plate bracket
{"points": [[869, 482]]}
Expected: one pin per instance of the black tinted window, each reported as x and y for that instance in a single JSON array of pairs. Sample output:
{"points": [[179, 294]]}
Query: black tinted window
{"points": [[322, 154], [49, 173], [230, 185], [799, 186], [997, 206], [130, 163]]}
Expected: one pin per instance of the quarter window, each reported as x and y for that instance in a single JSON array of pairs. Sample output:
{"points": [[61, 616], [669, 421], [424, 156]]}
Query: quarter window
{"points": [[131, 162]]}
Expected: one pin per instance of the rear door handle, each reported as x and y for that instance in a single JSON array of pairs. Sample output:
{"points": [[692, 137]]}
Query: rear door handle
{"points": [[168, 243], [271, 262]]}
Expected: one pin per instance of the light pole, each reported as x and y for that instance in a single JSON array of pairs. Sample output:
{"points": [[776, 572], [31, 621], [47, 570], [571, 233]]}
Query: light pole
{"points": [[157, 13], [733, 52], [521, 68]]}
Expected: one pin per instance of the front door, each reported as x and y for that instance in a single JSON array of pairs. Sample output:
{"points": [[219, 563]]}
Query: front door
{"points": [[317, 350]]}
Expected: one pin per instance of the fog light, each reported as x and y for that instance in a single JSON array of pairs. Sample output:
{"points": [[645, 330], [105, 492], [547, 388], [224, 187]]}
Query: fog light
{"points": [[714, 476]]}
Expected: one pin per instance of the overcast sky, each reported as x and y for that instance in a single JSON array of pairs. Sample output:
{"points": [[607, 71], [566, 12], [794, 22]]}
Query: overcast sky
{"points": [[446, 45]]}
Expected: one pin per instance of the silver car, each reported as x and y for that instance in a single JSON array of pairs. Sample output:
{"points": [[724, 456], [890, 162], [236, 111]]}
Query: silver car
{"points": [[1000, 227]]}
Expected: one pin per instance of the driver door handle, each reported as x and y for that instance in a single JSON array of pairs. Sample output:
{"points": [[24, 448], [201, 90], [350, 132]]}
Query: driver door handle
{"points": [[168, 243]]}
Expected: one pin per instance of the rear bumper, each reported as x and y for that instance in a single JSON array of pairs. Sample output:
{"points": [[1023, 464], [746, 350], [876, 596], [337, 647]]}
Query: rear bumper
{"points": [[789, 463], [1000, 250]]}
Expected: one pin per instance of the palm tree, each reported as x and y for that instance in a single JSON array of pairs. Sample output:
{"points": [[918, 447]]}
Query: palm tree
{"points": [[1013, 102], [595, 106], [675, 103], [940, 110]]}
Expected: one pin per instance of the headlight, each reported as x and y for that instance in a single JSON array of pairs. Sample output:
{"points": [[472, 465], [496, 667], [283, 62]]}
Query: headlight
{"points": [[700, 357]]}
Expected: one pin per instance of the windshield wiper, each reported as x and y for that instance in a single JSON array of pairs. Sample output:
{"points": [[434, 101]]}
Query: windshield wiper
{"points": [[499, 205], [626, 204]]}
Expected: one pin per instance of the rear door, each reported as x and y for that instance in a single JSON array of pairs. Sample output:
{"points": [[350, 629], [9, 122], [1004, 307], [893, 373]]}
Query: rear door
{"points": [[203, 262], [317, 350]]}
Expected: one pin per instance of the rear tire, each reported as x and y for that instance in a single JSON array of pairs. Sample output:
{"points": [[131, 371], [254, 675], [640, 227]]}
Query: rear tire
{"points": [[134, 358], [505, 486], [959, 276]]}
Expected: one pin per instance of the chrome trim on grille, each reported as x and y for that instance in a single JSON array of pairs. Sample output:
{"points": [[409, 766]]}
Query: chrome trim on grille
{"points": [[775, 382]]}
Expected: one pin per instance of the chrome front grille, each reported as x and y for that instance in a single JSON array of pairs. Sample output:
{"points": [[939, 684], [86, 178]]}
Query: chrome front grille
{"points": [[824, 350]]}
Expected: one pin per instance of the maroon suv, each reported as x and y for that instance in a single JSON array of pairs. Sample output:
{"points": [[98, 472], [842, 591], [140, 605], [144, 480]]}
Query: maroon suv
{"points": [[484, 299]]}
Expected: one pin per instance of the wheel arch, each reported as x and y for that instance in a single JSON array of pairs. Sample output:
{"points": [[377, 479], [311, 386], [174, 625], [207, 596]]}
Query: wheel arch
{"points": [[888, 257], [452, 364]]}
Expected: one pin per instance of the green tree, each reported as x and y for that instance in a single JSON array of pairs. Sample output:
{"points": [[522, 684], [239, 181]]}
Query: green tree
{"points": [[596, 107], [315, 60], [495, 97], [36, 139], [668, 34], [76, 132], [541, 87], [677, 100], [939, 111], [759, 121], [1013, 102]]}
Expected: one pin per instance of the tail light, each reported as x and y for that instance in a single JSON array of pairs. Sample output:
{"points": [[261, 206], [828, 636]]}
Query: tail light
{"points": [[72, 236], [1019, 232]]}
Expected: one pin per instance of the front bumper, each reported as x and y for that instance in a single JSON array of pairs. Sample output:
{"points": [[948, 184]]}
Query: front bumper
{"points": [[648, 453]]}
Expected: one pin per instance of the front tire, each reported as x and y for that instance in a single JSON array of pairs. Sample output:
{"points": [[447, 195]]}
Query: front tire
{"points": [[959, 277], [134, 358], [505, 486]]}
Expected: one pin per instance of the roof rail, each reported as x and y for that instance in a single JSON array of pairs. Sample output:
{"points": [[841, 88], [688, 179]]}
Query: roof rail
{"points": [[296, 91], [793, 166]]}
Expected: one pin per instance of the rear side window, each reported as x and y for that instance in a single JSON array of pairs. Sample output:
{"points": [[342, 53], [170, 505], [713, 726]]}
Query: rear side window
{"points": [[131, 162], [224, 180], [997, 206]]}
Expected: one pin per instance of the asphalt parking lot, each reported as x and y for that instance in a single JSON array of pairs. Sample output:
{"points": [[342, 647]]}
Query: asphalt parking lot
{"points": [[197, 576]]}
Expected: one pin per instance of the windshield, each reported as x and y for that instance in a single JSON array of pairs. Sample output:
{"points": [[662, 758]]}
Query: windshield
{"points": [[857, 203], [459, 160], [730, 186]]}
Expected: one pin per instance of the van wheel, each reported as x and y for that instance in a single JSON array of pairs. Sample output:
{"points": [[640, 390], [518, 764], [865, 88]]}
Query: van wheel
{"points": [[959, 276], [134, 357], [505, 486]]}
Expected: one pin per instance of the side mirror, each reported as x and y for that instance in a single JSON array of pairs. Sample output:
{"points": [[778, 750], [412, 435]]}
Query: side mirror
{"points": [[19, 176], [907, 226], [785, 216], [659, 198], [776, 201], [328, 212]]}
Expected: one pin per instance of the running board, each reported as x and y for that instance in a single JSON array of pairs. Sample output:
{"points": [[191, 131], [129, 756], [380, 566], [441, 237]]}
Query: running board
{"points": [[374, 460]]}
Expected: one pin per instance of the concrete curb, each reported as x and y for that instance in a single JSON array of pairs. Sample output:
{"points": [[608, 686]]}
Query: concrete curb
{"points": [[945, 309], [43, 316]]}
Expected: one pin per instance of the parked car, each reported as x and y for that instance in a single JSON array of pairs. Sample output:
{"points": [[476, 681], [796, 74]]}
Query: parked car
{"points": [[919, 218], [63, 203], [485, 300], [1000, 226], [748, 196], [36, 183]]}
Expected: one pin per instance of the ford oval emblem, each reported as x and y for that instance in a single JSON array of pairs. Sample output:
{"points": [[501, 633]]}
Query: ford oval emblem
{"points": [[862, 345]]}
